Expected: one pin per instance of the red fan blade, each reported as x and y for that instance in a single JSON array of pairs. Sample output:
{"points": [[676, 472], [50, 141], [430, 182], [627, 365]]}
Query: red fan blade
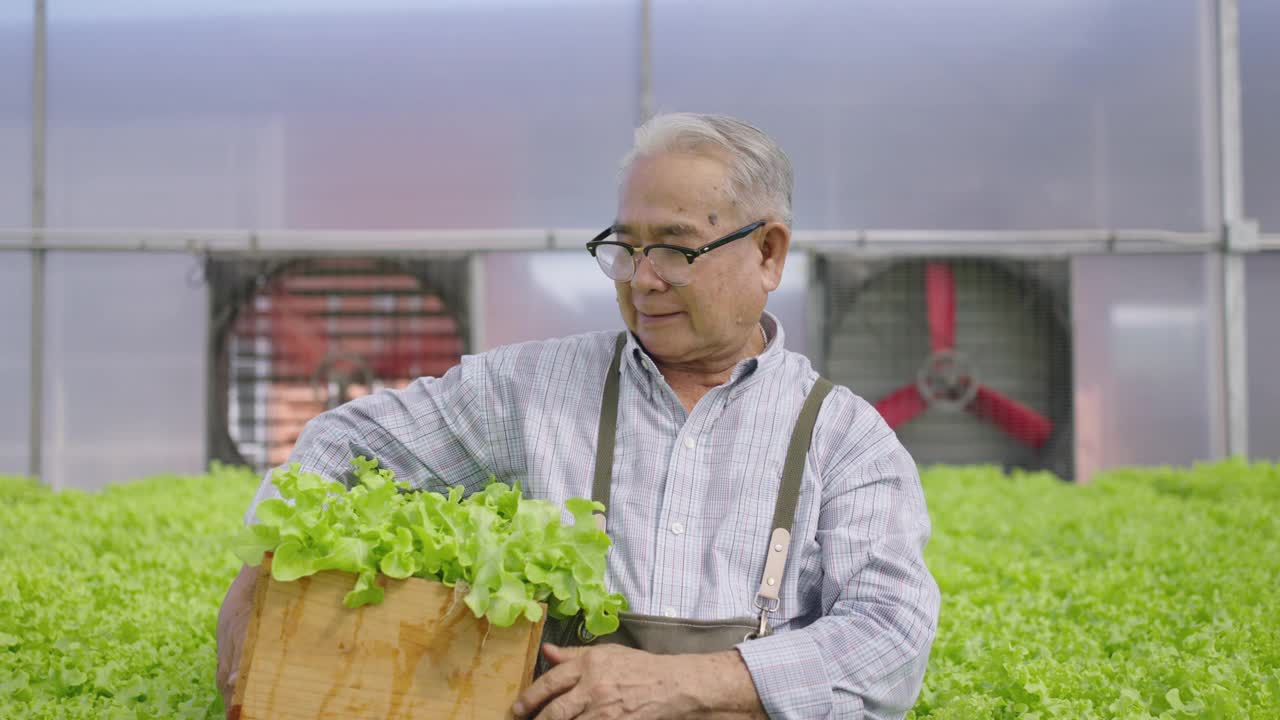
{"points": [[1011, 416], [901, 405], [295, 333], [940, 302]]}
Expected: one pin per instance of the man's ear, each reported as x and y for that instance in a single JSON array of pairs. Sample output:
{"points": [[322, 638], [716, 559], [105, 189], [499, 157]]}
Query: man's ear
{"points": [[774, 242]]}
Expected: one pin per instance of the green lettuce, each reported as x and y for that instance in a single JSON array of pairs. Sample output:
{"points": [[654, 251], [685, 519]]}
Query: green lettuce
{"points": [[1148, 593], [507, 553]]}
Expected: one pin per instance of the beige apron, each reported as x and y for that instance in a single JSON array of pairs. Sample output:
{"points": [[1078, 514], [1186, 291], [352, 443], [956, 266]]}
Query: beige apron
{"points": [[666, 636]]}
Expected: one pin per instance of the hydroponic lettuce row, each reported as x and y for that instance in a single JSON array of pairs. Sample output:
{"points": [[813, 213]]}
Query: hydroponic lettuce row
{"points": [[507, 553], [1150, 593], [109, 600], [1146, 594]]}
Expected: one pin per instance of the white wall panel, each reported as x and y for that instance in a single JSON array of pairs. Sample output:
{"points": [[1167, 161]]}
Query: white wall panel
{"points": [[1144, 360], [125, 368], [374, 116], [983, 114], [15, 362]]}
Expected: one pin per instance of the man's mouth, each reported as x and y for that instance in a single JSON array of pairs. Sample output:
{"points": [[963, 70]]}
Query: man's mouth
{"points": [[652, 316]]}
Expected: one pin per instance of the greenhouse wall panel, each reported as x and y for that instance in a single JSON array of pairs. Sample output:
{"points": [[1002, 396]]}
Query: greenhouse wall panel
{"points": [[15, 115], [125, 368], [1144, 361], [977, 115], [1263, 284], [15, 362], [1260, 78], [324, 115]]}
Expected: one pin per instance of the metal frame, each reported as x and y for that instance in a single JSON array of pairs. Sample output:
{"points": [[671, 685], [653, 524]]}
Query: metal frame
{"points": [[1239, 235], [39, 124], [1236, 235], [199, 242], [319, 242]]}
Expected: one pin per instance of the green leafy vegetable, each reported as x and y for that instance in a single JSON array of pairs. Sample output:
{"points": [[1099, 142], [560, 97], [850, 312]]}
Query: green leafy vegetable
{"points": [[1148, 593], [109, 600], [510, 553]]}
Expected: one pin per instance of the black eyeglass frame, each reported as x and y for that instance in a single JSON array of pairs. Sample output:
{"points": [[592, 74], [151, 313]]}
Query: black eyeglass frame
{"points": [[690, 254]]}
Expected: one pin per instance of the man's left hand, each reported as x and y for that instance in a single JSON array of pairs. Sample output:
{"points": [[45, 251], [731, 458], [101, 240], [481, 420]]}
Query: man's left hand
{"points": [[610, 681]]}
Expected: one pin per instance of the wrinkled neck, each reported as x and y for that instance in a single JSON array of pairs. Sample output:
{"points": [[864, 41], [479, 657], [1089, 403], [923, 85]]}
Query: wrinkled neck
{"points": [[691, 381]]}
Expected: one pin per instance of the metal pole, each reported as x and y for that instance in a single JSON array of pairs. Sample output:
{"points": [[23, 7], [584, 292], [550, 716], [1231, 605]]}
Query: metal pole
{"points": [[38, 143], [1235, 231], [646, 60], [476, 305]]}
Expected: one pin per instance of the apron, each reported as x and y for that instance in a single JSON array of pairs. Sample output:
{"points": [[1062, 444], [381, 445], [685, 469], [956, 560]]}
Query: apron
{"points": [[667, 636]]}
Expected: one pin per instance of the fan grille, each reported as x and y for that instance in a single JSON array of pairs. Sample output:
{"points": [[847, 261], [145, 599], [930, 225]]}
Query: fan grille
{"points": [[318, 332], [1011, 329]]}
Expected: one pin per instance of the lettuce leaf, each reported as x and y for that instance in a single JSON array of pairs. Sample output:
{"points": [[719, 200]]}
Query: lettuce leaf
{"points": [[512, 553]]}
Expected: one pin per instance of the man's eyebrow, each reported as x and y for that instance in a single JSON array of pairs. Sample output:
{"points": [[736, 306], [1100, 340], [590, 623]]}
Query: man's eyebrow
{"points": [[670, 230]]}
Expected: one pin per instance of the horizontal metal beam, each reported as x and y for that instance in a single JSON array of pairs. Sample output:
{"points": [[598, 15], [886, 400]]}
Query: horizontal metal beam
{"points": [[272, 242], [1270, 242], [1006, 242], [275, 241]]}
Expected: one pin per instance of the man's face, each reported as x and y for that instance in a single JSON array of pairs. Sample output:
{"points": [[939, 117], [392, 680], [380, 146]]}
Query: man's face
{"points": [[682, 199]]}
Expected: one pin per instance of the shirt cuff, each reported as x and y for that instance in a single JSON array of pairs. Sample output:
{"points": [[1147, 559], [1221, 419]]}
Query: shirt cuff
{"points": [[789, 674]]}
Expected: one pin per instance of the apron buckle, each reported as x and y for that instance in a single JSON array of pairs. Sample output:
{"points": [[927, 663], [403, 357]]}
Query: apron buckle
{"points": [[763, 629], [766, 605]]}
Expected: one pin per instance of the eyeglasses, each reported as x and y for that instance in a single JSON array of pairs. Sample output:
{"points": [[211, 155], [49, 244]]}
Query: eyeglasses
{"points": [[672, 263]]}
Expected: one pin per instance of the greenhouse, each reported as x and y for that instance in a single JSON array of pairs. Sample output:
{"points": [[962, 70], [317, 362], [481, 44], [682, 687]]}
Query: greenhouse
{"points": [[399, 297]]}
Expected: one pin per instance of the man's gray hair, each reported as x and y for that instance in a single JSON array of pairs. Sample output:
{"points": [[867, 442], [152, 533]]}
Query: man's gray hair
{"points": [[760, 173]]}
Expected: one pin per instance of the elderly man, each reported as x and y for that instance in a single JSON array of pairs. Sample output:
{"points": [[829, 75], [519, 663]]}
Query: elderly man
{"points": [[767, 528]]}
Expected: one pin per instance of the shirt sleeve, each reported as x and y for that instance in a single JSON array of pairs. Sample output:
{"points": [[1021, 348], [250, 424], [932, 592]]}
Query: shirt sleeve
{"points": [[866, 656], [432, 433]]}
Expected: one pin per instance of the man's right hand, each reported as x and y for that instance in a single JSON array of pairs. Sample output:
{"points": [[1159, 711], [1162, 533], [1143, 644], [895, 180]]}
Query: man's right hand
{"points": [[233, 622]]}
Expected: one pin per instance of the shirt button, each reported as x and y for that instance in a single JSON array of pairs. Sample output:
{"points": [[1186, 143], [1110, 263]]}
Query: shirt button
{"points": [[669, 612], [690, 443], [677, 528]]}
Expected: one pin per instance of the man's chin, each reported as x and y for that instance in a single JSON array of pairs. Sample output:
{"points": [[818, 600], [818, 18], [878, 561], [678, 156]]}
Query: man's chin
{"points": [[663, 345]]}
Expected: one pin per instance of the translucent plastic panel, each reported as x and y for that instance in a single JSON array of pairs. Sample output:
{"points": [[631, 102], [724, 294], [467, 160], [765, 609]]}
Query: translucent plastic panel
{"points": [[380, 115], [537, 295], [15, 114], [125, 378], [1262, 277], [957, 114], [1144, 341], [1260, 70], [15, 362]]}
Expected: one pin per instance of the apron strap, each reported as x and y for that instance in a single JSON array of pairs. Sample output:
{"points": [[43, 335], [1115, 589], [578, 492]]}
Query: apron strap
{"points": [[608, 432], [784, 510]]}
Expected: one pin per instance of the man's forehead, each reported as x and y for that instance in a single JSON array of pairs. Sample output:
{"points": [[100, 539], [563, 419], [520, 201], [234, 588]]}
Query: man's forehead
{"points": [[674, 178]]}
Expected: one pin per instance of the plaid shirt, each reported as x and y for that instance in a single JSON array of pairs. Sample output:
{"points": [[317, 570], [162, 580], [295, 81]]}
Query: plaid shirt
{"points": [[692, 500]]}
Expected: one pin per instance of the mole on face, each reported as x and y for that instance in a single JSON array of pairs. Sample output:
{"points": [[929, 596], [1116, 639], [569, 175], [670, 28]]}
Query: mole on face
{"points": [[712, 218]]}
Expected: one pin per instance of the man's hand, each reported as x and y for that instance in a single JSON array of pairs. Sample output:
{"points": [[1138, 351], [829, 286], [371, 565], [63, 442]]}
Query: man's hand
{"points": [[610, 681], [233, 622]]}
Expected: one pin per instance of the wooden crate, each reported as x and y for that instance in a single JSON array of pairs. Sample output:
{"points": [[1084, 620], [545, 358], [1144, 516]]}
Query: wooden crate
{"points": [[418, 654]]}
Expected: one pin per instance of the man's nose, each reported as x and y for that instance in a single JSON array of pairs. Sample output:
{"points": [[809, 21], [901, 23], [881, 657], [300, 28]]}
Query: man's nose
{"points": [[646, 278]]}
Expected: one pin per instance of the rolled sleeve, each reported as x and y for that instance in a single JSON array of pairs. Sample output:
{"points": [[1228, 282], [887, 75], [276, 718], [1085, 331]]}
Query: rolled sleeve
{"points": [[791, 679], [866, 656]]}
